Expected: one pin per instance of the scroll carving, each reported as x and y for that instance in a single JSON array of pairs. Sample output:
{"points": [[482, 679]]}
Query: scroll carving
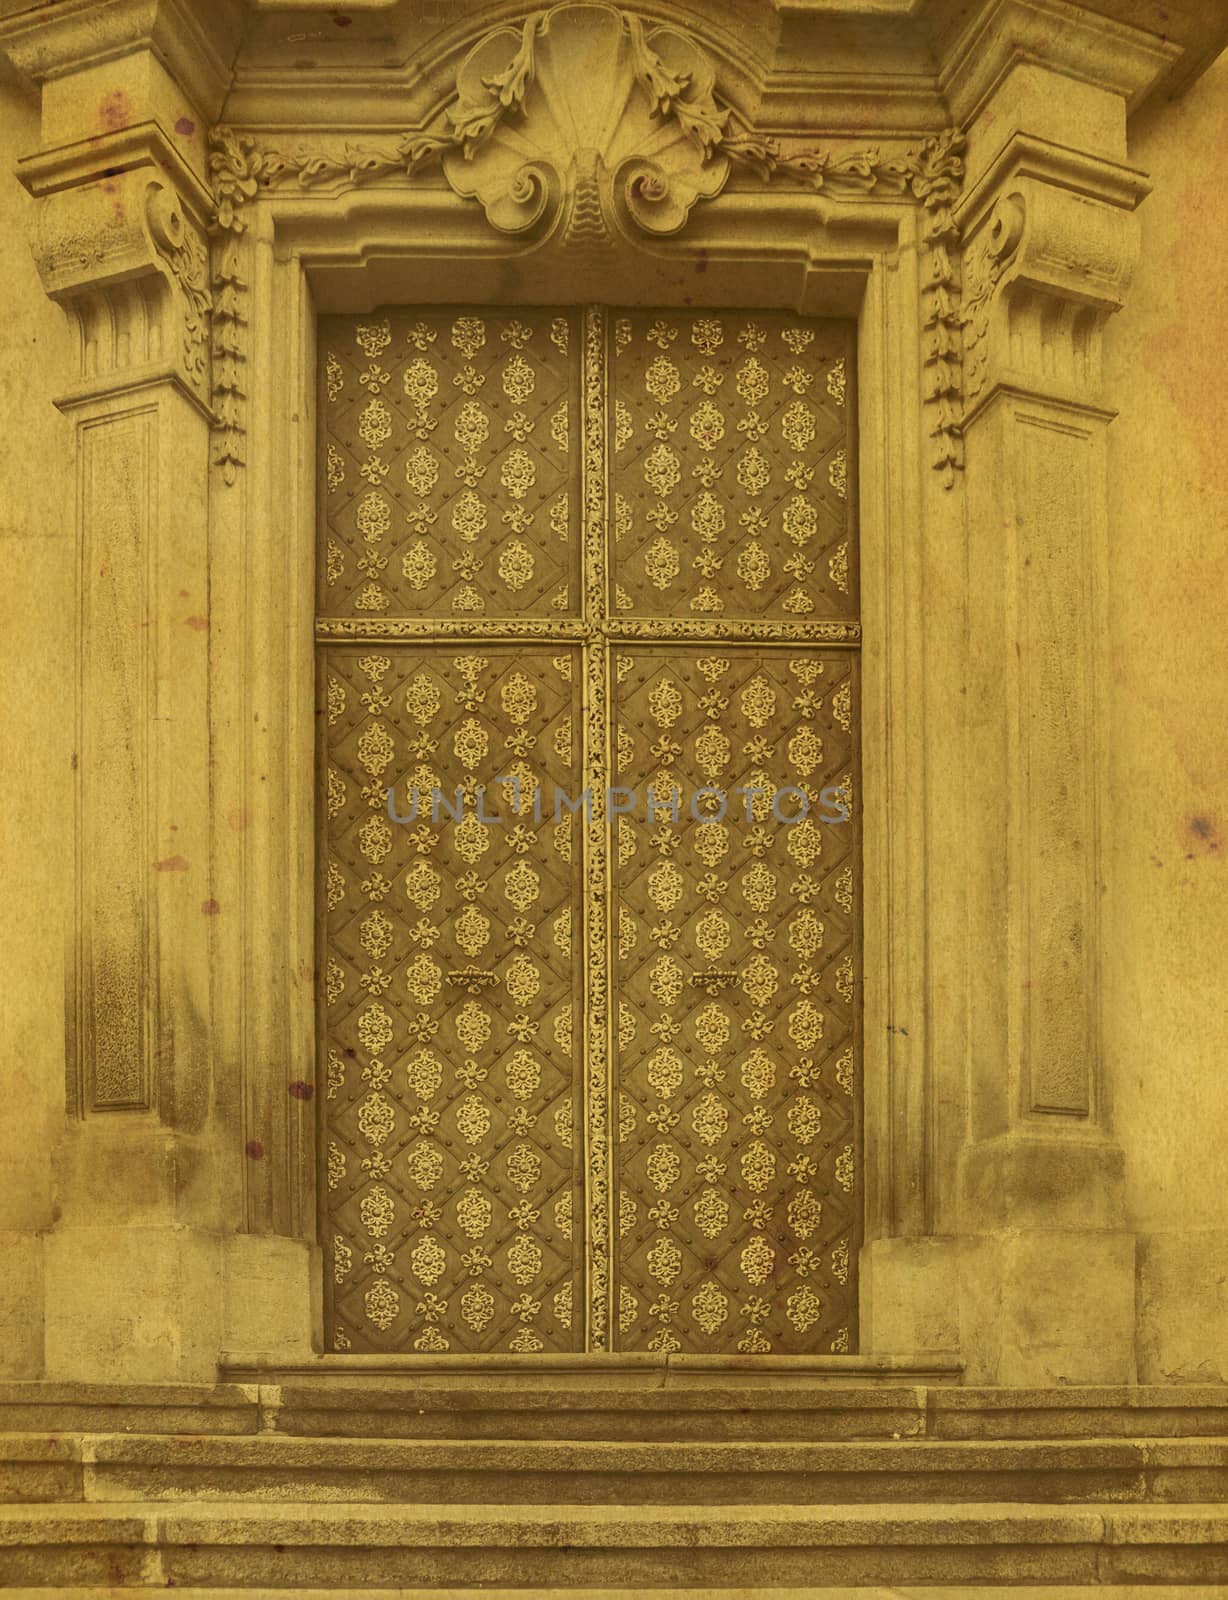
{"points": [[984, 262], [185, 252]]}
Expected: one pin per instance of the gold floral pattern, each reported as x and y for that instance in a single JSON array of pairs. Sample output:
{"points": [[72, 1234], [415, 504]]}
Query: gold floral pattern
{"points": [[765, 429], [448, 1132], [497, 467], [735, 1115], [477, 1150]]}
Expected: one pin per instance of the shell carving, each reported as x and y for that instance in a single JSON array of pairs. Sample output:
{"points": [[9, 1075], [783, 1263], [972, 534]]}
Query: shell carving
{"points": [[598, 138]]}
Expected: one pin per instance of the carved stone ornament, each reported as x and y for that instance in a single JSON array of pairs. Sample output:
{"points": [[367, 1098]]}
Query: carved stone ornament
{"points": [[130, 264], [984, 261], [1044, 261], [581, 121], [611, 122], [185, 252]]}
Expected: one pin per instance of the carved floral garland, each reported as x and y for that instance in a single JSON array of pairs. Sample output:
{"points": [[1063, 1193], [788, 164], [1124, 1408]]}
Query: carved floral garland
{"points": [[932, 175]]}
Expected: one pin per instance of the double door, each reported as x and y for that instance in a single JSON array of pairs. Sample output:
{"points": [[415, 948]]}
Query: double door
{"points": [[589, 868]]}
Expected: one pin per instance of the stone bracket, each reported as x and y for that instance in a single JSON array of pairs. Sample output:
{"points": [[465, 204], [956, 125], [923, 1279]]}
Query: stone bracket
{"points": [[1052, 243]]}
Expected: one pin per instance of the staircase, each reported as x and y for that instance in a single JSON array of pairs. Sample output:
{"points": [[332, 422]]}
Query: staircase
{"points": [[668, 1482]]}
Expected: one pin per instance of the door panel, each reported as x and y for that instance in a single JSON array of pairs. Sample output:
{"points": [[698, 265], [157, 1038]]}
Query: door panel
{"points": [[736, 952], [590, 1080], [449, 477], [452, 999], [729, 448]]}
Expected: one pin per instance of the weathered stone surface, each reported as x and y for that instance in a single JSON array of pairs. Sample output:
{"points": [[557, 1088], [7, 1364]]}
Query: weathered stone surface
{"points": [[40, 1469], [589, 1473], [1004, 1591], [131, 1408], [403, 1409], [974, 1413], [364, 1548]]}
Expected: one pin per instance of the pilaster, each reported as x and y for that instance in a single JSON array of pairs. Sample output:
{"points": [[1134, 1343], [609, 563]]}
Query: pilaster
{"points": [[1048, 1278], [120, 242]]}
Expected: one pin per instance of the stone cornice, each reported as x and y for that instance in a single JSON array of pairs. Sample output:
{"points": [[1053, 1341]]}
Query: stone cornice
{"points": [[142, 144], [1023, 156], [196, 40], [1066, 39]]}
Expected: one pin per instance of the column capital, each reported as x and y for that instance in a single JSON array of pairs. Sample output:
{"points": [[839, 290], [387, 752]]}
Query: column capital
{"points": [[127, 257], [1051, 246]]}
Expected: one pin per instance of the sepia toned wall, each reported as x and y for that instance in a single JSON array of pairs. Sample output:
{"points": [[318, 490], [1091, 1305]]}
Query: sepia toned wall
{"points": [[1166, 799], [1164, 822], [36, 744]]}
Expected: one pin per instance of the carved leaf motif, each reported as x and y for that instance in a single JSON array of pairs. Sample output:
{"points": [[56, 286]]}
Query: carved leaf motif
{"points": [[707, 425], [804, 1308], [758, 1164], [664, 1261], [382, 1304], [665, 1071], [711, 1213], [422, 471], [754, 566], [760, 980], [428, 1260], [424, 1075], [424, 1166], [473, 1119], [524, 1259], [473, 1026], [423, 980], [524, 1167], [523, 1074], [478, 1307], [805, 1213], [754, 471], [758, 1073], [662, 380], [521, 886], [378, 1211], [757, 1261], [423, 885], [710, 1119]]}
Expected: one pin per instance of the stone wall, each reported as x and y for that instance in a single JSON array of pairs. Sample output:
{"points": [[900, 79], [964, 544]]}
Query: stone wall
{"points": [[36, 745], [1166, 805]]}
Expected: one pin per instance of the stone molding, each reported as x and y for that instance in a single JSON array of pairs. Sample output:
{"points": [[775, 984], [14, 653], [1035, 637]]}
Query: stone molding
{"points": [[673, 142], [1083, 45]]}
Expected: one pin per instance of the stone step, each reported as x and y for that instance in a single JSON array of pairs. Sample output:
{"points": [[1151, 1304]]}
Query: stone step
{"points": [[586, 1548], [269, 1467], [42, 1407], [994, 1591], [714, 1408], [761, 1406]]}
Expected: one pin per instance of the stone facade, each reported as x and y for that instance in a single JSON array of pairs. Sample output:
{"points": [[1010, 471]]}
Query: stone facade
{"points": [[1037, 291]]}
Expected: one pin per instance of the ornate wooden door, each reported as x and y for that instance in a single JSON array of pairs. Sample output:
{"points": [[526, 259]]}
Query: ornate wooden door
{"points": [[589, 862]]}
